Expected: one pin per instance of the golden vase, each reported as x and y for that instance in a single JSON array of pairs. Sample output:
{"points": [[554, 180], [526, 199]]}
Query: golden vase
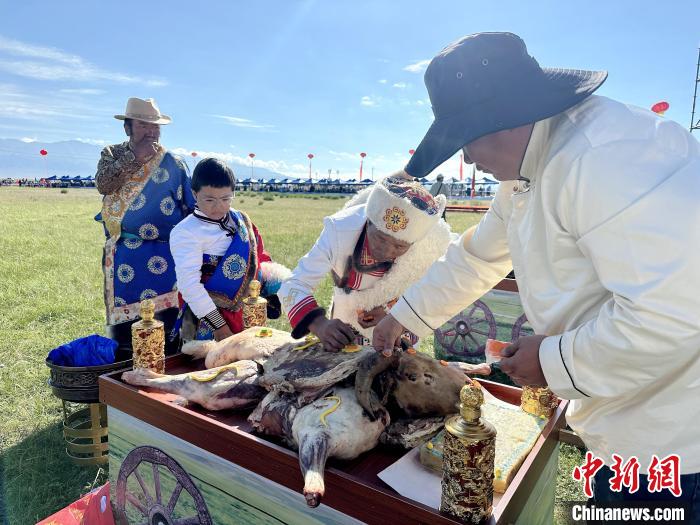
{"points": [[469, 452], [148, 340], [254, 307]]}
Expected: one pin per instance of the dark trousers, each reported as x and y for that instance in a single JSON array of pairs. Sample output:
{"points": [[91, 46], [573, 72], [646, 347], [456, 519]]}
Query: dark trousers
{"points": [[690, 497]]}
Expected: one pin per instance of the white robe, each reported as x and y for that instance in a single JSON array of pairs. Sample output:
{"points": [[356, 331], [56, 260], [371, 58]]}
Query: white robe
{"points": [[605, 245], [331, 252]]}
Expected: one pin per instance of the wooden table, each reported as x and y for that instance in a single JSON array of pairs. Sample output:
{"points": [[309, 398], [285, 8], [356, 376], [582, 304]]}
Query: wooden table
{"points": [[246, 478]]}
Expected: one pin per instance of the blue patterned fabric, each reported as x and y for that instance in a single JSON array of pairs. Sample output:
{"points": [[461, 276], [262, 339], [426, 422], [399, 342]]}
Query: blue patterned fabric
{"points": [[233, 266], [229, 274], [143, 265]]}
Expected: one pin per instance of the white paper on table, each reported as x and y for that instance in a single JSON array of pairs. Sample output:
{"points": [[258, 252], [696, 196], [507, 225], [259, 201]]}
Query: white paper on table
{"points": [[412, 480]]}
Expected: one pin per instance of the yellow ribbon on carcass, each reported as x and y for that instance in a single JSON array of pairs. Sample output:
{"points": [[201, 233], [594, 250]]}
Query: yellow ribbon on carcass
{"points": [[311, 340], [332, 409], [203, 377]]}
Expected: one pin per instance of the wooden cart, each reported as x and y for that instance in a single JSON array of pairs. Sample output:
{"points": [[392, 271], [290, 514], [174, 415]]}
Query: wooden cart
{"points": [[171, 464]]}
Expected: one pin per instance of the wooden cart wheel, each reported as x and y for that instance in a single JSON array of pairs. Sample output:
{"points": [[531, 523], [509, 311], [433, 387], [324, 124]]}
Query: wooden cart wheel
{"points": [[157, 508], [465, 334], [519, 329]]}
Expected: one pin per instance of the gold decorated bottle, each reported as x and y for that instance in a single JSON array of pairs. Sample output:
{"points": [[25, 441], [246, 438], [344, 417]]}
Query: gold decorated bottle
{"points": [[538, 401], [148, 340], [254, 306], [469, 451]]}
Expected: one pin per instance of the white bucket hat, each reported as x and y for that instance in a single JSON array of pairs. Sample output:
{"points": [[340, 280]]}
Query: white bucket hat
{"points": [[403, 208], [145, 111]]}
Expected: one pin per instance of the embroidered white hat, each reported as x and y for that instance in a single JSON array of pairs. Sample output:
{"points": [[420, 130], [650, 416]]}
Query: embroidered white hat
{"points": [[403, 208], [145, 111]]}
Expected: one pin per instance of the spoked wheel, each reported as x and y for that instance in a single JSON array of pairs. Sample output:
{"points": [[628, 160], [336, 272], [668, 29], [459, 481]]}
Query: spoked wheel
{"points": [[521, 328], [465, 334], [156, 507]]}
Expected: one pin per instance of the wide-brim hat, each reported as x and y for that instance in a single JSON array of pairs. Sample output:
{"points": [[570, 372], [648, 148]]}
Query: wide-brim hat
{"points": [[145, 111], [487, 82], [403, 208]]}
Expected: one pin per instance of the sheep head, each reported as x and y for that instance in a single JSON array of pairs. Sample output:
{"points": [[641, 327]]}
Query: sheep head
{"points": [[422, 386]]}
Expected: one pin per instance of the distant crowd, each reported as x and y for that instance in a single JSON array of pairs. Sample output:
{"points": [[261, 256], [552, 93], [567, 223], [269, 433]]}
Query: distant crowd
{"points": [[51, 182]]}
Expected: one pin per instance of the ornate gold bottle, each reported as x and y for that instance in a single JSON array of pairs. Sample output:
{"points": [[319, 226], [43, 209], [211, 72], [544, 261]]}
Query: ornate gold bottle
{"points": [[538, 401], [148, 340], [469, 451], [254, 306]]}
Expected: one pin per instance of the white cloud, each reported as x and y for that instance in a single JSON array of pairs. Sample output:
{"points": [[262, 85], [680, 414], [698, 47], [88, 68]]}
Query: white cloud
{"points": [[94, 142], [383, 81], [279, 166], [345, 155], [28, 139], [245, 123], [369, 101], [417, 67], [400, 85], [16, 103], [85, 91], [47, 63]]}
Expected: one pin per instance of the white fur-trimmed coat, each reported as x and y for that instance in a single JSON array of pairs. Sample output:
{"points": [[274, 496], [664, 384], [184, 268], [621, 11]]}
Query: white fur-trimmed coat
{"points": [[331, 252]]}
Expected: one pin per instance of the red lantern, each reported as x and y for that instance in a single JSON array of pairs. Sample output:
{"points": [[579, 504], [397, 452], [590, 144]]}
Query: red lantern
{"points": [[411, 151], [194, 153], [363, 155], [660, 107], [43, 153], [310, 155], [251, 155]]}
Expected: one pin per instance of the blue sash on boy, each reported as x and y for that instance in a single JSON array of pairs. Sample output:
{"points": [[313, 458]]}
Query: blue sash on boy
{"points": [[227, 277]]}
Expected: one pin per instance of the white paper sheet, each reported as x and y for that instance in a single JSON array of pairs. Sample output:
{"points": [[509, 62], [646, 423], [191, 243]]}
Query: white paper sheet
{"points": [[412, 480]]}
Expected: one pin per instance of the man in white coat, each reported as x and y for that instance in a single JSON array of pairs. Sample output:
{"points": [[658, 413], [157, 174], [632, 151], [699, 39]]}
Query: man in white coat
{"points": [[384, 239], [597, 213]]}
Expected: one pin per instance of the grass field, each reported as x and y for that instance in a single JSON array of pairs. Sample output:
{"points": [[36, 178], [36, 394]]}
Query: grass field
{"points": [[51, 293]]}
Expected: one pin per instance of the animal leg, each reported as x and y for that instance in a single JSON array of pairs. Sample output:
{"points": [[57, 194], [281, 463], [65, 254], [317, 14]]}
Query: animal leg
{"points": [[198, 349], [482, 369], [313, 452]]}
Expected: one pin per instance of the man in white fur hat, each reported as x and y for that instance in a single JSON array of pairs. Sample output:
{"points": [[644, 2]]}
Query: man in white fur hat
{"points": [[382, 241]]}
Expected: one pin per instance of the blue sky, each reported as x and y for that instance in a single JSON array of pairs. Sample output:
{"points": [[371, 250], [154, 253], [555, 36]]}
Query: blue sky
{"points": [[286, 78]]}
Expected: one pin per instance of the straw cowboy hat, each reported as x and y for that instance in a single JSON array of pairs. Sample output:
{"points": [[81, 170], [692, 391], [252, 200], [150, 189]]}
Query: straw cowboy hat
{"points": [[487, 82], [145, 111]]}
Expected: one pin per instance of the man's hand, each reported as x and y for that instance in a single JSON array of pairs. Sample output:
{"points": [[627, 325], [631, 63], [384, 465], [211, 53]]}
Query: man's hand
{"points": [[386, 335], [334, 333], [371, 318], [222, 333], [521, 361], [144, 150], [481, 369]]}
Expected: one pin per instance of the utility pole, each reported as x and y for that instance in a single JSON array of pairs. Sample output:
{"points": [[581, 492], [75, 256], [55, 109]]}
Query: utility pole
{"points": [[693, 123]]}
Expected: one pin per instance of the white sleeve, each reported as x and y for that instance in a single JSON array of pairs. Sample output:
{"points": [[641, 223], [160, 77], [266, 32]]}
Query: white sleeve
{"points": [[187, 254], [473, 264], [296, 293], [648, 257]]}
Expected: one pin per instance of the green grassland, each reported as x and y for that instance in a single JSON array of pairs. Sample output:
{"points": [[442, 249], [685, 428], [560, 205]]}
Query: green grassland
{"points": [[51, 293]]}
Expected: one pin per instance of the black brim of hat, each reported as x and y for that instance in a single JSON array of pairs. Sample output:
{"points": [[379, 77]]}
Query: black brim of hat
{"points": [[556, 91]]}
